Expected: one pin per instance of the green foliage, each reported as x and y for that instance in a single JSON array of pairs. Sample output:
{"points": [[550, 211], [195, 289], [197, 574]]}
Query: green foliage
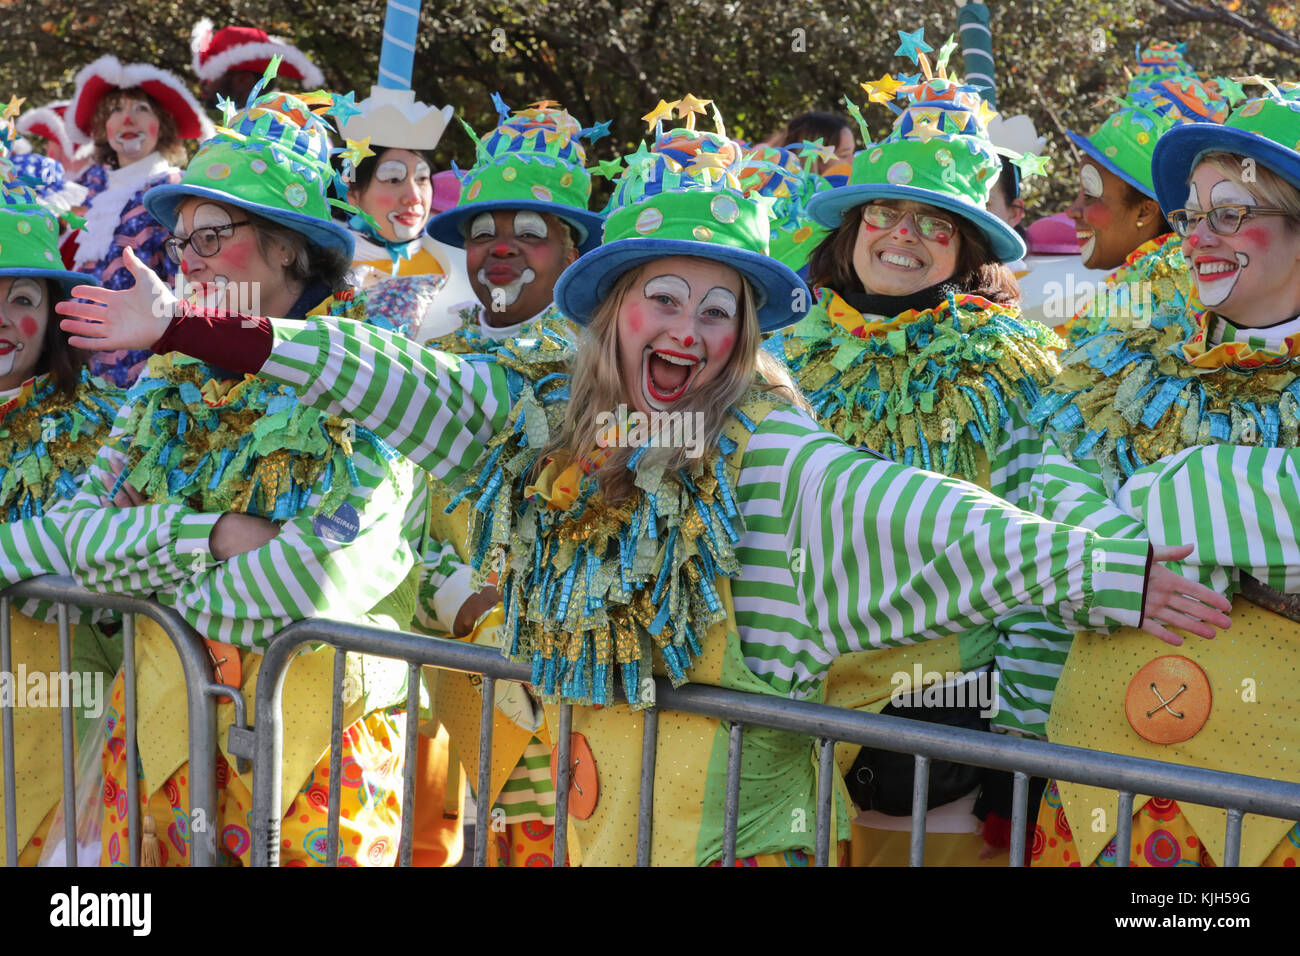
{"points": [[614, 60]]}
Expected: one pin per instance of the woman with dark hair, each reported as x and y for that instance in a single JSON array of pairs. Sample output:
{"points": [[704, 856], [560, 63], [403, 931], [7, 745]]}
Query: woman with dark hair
{"points": [[831, 129], [137, 116], [916, 350]]}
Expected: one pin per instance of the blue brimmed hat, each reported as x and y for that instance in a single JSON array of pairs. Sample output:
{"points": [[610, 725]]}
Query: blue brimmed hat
{"points": [[1265, 129], [938, 152], [683, 197], [534, 159]]}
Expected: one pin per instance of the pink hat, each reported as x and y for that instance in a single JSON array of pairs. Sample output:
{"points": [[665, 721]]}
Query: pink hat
{"points": [[247, 48], [1053, 235], [97, 80], [446, 191]]}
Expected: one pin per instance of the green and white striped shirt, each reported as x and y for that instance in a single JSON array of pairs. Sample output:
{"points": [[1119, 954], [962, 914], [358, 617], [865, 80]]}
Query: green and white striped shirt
{"points": [[841, 551]]}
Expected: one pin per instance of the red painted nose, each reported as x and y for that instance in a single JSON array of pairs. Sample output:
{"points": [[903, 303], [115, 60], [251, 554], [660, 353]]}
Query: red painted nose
{"points": [[500, 250], [688, 341]]}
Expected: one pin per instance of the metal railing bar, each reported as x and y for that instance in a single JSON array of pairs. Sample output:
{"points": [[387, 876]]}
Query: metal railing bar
{"points": [[920, 803], [1232, 839], [1019, 814], [645, 809], [132, 742], [336, 758], [69, 741], [1124, 828], [563, 766], [731, 808], [483, 786], [825, 807], [409, 763]]}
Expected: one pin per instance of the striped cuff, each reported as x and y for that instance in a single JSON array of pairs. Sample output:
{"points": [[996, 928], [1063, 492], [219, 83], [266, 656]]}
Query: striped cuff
{"points": [[299, 351], [190, 546], [1114, 583]]}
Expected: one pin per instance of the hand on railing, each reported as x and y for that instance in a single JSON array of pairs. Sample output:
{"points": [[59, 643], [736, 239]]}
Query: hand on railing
{"points": [[1174, 601], [133, 318], [236, 533]]}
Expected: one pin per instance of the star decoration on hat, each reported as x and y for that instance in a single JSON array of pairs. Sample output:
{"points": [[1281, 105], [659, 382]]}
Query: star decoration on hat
{"points": [[544, 105], [345, 107], [610, 168], [1259, 81], [912, 44], [499, 105], [661, 112], [945, 52], [1031, 164], [598, 131], [816, 149], [14, 106], [688, 106], [881, 90], [640, 159], [357, 150], [925, 129], [1231, 90], [227, 107], [985, 112]]}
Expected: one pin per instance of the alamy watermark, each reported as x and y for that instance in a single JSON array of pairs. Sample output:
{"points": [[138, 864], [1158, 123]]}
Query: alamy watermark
{"points": [[1134, 301], [82, 690], [635, 429], [220, 296], [922, 688]]}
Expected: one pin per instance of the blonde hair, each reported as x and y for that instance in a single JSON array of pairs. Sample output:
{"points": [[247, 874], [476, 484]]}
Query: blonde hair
{"points": [[597, 388], [1268, 186]]}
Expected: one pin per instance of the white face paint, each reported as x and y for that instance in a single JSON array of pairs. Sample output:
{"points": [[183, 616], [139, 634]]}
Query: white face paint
{"points": [[23, 302], [481, 226], [392, 172], [1093, 186], [504, 296], [1228, 193], [529, 223], [720, 302], [205, 216], [1213, 267]]}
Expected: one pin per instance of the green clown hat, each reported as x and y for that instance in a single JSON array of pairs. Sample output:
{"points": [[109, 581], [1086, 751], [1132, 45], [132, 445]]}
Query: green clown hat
{"points": [[938, 151], [273, 159], [683, 197], [1265, 128], [534, 159], [1125, 142], [29, 233], [785, 174]]}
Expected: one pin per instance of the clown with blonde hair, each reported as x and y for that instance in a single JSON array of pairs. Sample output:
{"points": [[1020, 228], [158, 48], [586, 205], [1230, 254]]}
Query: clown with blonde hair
{"points": [[622, 558]]}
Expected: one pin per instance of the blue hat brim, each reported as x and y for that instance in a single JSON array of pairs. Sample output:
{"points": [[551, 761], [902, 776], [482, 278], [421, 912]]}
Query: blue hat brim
{"points": [[588, 281], [1179, 149], [445, 227], [1105, 163], [62, 276], [162, 201], [827, 209]]}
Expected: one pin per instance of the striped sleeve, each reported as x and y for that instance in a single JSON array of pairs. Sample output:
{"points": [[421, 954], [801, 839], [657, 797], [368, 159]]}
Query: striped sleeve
{"points": [[879, 554], [129, 550], [1239, 507], [1074, 492], [313, 567], [433, 407]]}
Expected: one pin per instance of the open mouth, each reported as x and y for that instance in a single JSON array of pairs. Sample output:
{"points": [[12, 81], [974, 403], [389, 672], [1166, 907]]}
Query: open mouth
{"points": [[1087, 240], [409, 219], [667, 375], [900, 260], [1211, 270]]}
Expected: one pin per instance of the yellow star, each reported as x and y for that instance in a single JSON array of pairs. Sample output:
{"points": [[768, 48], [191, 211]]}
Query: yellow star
{"points": [[357, 151], [544, 105], [925, 130], [660, 112], [688, 106], [985, 112], [705, 161], [14, 107], [881, 90]]}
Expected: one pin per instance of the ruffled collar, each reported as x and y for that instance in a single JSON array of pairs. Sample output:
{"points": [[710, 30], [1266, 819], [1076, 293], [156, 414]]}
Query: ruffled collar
{"points": [[1154, 278], [594, 591], [1217, 343], [927, 388]]}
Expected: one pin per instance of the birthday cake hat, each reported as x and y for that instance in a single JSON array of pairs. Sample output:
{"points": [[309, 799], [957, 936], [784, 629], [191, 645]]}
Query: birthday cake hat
{"points": [[271, 158], [786, 175], [938, 151], [683, 197], [533, 159], [1265, 128], [29, 233]]}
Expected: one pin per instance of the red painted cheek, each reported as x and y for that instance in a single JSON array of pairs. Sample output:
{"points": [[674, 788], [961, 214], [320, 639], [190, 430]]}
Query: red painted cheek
{"points": [[943, 240], [869, 227], [725, 345], [1257, 236], [27, 325], [635, 320], [1098, 216]]}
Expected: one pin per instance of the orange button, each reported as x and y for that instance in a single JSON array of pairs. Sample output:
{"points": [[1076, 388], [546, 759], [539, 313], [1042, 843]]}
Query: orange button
{"points": [[1168, 700], [584, 788]]}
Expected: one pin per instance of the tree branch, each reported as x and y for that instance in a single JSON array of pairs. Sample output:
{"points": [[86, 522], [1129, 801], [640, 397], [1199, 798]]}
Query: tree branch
{"points": [[1259, 28]]}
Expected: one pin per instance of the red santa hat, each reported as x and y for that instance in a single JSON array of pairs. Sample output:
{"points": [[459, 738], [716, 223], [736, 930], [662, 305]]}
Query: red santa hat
{"points": [[247, 48], [49, 122], [97, 80]]}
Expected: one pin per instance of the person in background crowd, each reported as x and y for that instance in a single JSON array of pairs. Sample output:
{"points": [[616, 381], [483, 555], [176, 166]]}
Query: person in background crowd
{"points": [[230, 61]]}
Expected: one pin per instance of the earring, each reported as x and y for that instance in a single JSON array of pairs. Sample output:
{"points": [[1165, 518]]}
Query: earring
{"points": [[1140, 223]]}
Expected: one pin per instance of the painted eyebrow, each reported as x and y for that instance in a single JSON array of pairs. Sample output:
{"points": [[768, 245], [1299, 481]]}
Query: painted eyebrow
{"points": [[720, 297], [1226, 191], [526, 220], [671, 284], [29, 287]]}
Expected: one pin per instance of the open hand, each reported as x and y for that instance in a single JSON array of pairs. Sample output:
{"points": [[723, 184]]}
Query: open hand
{"points": [[133, 318], [1174, 601]]}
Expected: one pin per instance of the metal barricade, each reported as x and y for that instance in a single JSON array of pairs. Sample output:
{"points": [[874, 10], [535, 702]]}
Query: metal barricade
{"points": [[201, 695], [1237, 793]]}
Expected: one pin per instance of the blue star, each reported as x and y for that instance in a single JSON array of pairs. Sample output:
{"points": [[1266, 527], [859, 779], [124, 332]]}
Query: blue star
{"points": [[913, 43], [598, 131], [499, 105], [345, 107], [227, 107]]}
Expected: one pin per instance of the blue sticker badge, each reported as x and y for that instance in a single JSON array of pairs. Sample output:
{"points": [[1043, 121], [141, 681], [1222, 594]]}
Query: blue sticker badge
{"points": [[343, 525]]}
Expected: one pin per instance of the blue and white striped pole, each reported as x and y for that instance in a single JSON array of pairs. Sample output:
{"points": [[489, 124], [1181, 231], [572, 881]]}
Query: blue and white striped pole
{"points": [[977, 50], [397, 55]]}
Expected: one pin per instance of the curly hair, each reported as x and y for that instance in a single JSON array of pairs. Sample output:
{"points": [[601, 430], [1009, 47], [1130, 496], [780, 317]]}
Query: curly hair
{"points": [[169, 140]]}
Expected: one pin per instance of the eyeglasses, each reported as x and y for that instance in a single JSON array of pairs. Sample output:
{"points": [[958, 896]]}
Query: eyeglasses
{"points": [[205, 242], [1223, 220], [930, 227]]}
